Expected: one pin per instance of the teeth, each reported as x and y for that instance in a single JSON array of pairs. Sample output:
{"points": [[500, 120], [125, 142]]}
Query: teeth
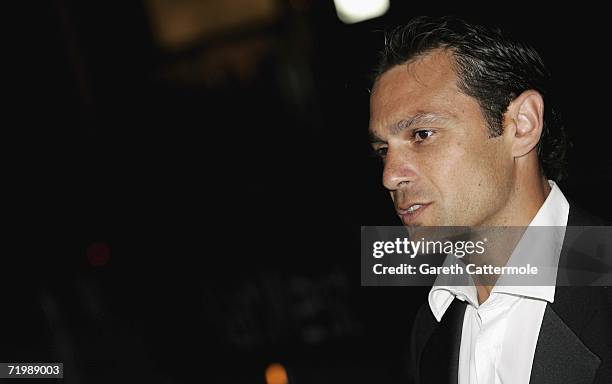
{"points": [[414, 208]]}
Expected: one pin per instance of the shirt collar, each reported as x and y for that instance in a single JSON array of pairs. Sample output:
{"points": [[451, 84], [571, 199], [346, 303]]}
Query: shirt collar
{"points": [[553, 213]]}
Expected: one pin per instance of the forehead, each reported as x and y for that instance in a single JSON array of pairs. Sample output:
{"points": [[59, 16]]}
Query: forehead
{"points": [[426, 84]]}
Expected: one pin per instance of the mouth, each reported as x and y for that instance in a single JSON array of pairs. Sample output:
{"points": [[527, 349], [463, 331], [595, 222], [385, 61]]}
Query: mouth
{"points": [[411, 212]]}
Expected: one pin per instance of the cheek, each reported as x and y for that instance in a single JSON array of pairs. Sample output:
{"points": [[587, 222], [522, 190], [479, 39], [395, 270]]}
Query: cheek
{"points": [[496, 163], [468, 177], [451, 173], [452, 168], [487, 179]]}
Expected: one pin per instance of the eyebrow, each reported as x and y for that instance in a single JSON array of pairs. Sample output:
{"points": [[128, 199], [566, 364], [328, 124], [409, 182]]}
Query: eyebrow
{"points": [[421, 118]]}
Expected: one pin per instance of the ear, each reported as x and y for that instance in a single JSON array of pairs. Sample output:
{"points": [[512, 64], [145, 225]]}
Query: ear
{"points": [[525, 118]]}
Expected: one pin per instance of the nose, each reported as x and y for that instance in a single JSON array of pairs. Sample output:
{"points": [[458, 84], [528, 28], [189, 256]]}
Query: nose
{"points": [[398, 170]]}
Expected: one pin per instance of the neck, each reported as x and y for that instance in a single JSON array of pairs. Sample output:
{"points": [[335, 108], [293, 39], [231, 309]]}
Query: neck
{"points": [[528, 197], [525, 200], [533, 197], [483, 292]]}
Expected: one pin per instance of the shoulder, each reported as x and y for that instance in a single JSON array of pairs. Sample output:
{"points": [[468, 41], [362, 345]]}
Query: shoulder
{"points": [[587, 312], [580, 217], [578, 305], [424, 321], [585, 259], [423, 327]]}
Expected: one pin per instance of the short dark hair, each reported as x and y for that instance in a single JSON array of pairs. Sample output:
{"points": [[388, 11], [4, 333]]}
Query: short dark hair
{"points": [[492, 67]]}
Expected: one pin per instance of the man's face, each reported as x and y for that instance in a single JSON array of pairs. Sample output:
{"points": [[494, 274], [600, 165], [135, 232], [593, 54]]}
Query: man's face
{"points": [[441, 166]]}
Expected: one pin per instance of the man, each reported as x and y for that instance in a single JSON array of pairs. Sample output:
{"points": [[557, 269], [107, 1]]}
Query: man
{"points": [[460, 116]]}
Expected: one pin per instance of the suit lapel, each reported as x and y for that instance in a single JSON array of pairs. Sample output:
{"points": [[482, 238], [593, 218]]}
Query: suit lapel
{"points": [[560, 356], [440, 357]]}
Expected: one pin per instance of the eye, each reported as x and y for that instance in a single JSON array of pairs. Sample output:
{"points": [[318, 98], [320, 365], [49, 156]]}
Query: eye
{"points": [[381, 151], [422, 134]]}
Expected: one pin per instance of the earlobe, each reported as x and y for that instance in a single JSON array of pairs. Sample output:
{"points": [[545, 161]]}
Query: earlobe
{"points": [[527, 113]]}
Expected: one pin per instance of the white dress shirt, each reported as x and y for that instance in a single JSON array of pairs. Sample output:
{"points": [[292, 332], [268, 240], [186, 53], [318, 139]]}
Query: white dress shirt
{"points": [[499, 336]]}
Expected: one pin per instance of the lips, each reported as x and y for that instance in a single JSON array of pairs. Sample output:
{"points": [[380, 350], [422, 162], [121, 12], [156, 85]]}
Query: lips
{"points": [[410, 212]]}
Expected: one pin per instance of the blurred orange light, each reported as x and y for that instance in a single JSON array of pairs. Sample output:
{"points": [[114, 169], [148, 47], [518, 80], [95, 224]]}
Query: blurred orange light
{"points": [[276, 374]]}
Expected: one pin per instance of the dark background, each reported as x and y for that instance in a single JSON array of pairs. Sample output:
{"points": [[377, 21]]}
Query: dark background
{"points": [[190, 211]]}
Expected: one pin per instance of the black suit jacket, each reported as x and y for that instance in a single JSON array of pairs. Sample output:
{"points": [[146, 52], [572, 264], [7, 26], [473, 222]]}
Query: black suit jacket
{"points": [[574, 344]]}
